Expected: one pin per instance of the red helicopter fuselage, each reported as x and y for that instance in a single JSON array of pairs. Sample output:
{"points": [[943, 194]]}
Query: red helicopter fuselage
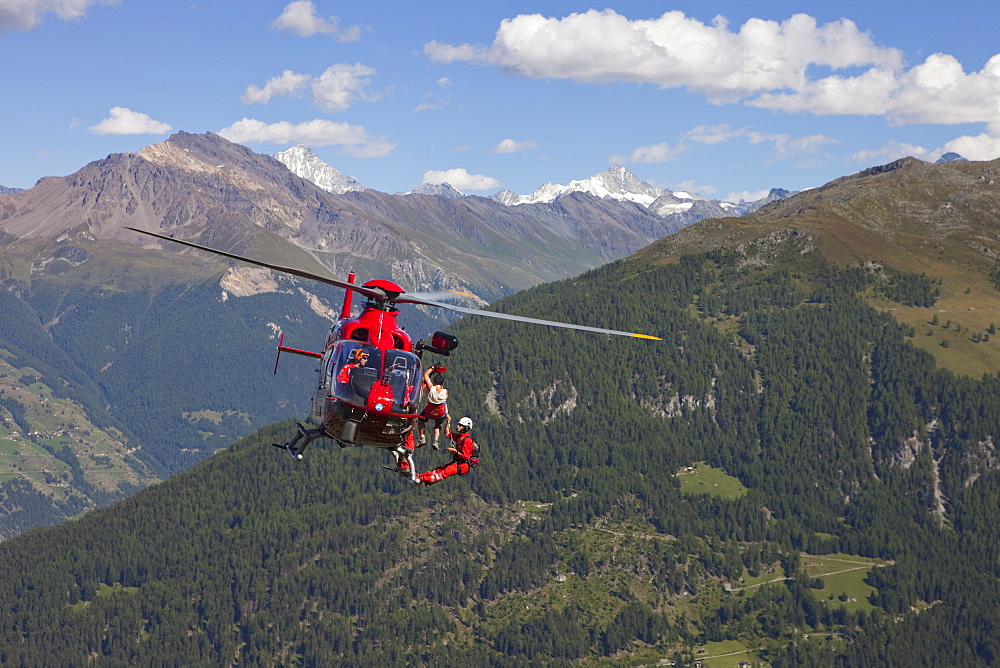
{"points": [[369, 390]]}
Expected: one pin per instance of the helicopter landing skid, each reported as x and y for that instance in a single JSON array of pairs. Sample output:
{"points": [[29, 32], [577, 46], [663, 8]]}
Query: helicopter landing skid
{"points": [[344, 444], [402, 473], [293, 446]]}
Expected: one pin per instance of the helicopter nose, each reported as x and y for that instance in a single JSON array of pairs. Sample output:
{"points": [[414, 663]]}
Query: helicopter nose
{"points": [[380, 398]]}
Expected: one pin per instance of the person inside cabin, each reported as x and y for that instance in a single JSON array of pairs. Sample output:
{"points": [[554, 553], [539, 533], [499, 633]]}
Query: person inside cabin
{"points": [[436, 408], [358, 358]]}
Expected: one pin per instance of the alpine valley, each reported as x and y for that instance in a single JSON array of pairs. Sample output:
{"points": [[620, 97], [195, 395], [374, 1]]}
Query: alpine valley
{"points": [[122, 365], [803, 472]]}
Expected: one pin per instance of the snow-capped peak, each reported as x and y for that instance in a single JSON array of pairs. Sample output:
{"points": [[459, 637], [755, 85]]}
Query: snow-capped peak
{"points": [[950, 157], [301, 161], [615, 183], [437, 189]]}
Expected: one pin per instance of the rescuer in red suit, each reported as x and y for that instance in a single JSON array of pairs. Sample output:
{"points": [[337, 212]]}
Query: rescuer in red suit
{"points": [[437, 406], [358, 359], [464, 455]]}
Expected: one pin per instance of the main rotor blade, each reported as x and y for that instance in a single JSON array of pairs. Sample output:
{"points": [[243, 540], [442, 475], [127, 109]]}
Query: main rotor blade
{"points": [[378, 294], [422, 297], [521, 318]]}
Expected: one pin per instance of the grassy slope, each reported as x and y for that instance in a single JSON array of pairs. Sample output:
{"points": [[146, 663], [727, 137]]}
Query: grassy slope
{"points": [[939, 220], [107, 463]]}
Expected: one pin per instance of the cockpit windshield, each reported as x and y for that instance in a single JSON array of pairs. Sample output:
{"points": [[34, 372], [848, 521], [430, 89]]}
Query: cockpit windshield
{"points": [[402, 373], [355, 367]]}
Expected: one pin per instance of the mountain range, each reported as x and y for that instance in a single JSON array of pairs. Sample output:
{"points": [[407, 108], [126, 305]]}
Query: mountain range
{"points": [[85, 301], [616, 183], [206, 187], [92, 298], [803, 472]]}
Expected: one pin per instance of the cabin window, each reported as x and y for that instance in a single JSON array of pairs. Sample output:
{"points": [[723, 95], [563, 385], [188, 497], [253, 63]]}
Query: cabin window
{"points": [[403, 374], [356, 368]]}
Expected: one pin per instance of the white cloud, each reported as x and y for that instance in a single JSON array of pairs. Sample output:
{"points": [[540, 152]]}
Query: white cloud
{"points": [[673, 51], [318, 132], [511, 146], [651, 154], [445, 53], [336, 89], [289, 83], [300, 17], [461, 179], [374, 148], [804, 150], [713, 134], [870, 93], [785, 145], [767, 64], [124, 121], [938, 91], [746, 196], [891, 151], [691, 187], [984, 146], [29, 14], [340, 85], [439, 103]]}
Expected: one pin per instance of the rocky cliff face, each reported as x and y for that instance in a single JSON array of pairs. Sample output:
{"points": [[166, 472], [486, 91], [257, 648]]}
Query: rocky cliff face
{"points": [[195, 182]]}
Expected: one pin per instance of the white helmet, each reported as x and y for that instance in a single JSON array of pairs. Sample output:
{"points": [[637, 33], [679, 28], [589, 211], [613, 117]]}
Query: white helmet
{"points": [[465, 422]]}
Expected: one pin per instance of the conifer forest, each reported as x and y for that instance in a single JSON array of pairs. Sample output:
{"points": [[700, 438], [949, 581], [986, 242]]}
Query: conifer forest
{"points": [[785, 479]]}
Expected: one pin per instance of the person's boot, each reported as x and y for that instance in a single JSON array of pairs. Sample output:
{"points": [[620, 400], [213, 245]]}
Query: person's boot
{"points": [[404, 463]]}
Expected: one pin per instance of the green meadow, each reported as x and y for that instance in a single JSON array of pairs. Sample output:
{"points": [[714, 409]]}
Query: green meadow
{"points": [[704, 479]]}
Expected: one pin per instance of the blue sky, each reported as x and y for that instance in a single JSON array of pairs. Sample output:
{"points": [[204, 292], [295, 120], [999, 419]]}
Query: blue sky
{"points": [[726, 99]]}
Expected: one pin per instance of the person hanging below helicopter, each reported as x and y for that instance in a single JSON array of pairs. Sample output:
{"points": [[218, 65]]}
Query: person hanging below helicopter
{"points": [[464, 456], [404, 459], [436, 408]]}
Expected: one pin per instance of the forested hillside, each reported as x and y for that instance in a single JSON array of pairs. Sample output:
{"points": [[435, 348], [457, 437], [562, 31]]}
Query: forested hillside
{"points": [[106, 386], [786, 479], [154, 355]]}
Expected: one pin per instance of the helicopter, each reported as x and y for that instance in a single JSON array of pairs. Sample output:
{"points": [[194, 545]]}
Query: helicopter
{"points": [[369, 391]]}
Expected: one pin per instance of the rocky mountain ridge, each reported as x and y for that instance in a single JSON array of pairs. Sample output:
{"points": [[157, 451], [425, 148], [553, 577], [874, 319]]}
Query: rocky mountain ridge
{"points": [[87, 302], [205, 188], [616, 183]]}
